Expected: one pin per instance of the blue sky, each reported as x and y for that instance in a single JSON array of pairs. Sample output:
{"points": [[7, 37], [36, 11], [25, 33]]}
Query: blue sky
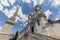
{"points": [[51, 8]]}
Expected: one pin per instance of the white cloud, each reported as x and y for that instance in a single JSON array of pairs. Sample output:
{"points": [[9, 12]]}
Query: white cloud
{"points": [[58, 16], [37, 2], [22, 16], [56, 3], [4, 2], [0, 27], [32, 13], [10, 12], [12, 1], [1, 7], [47, 13], [41, 1], [27, 1], [50, 0]]}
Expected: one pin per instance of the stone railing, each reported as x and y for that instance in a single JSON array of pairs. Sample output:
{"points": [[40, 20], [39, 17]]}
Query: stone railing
{"points": [[42, 37]]}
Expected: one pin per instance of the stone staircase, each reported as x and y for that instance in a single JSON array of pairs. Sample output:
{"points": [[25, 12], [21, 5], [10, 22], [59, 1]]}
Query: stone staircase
{"points": [[35, 36]]}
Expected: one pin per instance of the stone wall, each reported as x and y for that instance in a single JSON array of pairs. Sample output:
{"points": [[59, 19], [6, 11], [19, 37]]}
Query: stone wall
{"points": [[4, 36]]}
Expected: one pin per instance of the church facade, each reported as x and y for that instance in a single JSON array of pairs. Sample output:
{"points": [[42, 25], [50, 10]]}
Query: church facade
{"points": [[39, 27], [38, 23]]}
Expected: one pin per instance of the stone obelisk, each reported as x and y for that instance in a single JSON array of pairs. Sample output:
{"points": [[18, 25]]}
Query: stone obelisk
{"points": [[5, 32]]}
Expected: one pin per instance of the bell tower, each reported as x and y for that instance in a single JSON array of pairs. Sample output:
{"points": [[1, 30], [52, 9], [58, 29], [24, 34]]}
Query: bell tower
{"points": [[5, 32]]}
